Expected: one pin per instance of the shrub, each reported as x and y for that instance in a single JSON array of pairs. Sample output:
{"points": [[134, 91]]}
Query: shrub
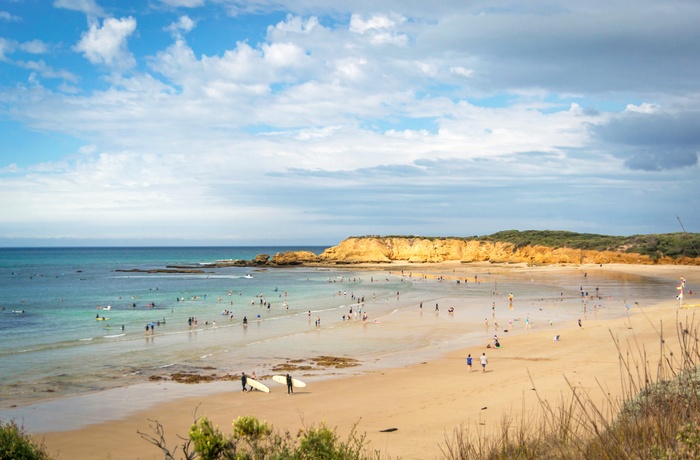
{"points": [[208, 441], [252, 440], [17, 444]]}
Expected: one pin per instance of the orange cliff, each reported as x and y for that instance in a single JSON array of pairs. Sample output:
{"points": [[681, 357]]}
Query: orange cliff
{"points": [[434, 250]]}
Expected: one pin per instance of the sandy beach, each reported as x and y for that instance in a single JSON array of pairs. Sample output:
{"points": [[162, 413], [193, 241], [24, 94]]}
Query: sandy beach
{"points": [[424, 402]]}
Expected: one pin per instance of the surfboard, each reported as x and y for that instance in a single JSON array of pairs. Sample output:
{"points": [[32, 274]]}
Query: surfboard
{"points": [[283, 380], [102, 319], [257, 385]]}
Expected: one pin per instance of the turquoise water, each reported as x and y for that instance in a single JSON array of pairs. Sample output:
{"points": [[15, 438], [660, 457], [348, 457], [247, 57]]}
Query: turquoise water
{"points": [[53, 346]]}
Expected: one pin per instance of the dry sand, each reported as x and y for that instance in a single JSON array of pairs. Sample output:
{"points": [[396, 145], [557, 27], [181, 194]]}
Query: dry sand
{"points": [[424, 402]]}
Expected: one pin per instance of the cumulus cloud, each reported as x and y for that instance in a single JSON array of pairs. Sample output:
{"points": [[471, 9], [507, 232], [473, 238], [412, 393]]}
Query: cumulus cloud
{"points": [[481, 119], [107, 45], [298, 24], [379, 28], [183, 25]]}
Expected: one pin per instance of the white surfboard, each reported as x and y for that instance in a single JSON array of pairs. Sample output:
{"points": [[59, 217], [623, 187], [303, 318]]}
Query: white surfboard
{"points": [[257, 385], [283, 380]]}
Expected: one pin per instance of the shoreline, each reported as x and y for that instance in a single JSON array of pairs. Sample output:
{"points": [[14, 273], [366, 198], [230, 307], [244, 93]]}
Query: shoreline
{"points": [[423, 407]]}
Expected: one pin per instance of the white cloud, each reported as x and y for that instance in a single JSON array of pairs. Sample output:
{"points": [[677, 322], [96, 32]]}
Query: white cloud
{"points": [[6, 16], [184, 24], [380, 29], [107, 45], [297, 24], [642, 108], [311, 120], [91, 9], [34, 47], [374, 23], [6, 47], [461, 71], [47, 71], [183, 3], [284, 54]]}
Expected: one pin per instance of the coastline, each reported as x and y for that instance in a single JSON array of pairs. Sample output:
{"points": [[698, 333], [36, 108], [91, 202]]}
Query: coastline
{"points": [[424, 401]]}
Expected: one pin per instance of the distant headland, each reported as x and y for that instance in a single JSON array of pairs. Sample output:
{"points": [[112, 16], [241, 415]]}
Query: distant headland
{"points": [[532, 247]]}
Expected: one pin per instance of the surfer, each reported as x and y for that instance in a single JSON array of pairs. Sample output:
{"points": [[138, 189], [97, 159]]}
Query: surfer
{"points": [[290, 387], [245, 320], [244, 381], [252, 377]]}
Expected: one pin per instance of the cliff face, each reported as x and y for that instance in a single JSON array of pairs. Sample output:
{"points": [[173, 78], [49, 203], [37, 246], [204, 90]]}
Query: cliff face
{"points": [[421, 250]]}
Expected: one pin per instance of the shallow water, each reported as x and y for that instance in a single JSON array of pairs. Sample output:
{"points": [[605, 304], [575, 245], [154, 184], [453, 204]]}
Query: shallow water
{"points": [[56, 347]]}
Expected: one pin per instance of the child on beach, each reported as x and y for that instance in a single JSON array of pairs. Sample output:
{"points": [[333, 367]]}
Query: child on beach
{"points": [[469, 362]]}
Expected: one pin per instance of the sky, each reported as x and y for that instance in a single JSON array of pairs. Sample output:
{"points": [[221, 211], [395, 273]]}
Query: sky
{"points": [[266, 122]]}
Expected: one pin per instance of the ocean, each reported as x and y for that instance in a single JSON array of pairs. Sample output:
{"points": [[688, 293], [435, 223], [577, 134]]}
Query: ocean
{"points": [[53, 345]]}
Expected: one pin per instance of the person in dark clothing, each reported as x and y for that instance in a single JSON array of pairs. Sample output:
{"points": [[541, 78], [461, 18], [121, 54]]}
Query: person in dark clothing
{"points": [[244, 381], [290, 387]]}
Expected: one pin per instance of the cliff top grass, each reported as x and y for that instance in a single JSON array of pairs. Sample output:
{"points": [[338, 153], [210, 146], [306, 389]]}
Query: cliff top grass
{"points": [[673, 245]]}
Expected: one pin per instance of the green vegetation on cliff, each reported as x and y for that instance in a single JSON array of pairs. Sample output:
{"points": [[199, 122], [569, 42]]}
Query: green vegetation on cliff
{"points": [[673, 245]]}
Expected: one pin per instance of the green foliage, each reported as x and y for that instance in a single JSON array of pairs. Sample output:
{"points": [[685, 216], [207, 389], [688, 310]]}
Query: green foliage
{"points": [[255, 440], [250, 427], [17, 444], [208, 441], [322, 443]]}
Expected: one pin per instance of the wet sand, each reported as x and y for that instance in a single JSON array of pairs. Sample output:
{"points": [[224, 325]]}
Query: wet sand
{"points": [[424, 402]]}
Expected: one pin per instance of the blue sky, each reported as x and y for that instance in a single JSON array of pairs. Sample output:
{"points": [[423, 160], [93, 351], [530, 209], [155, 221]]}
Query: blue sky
{"points": [[307, 121]]}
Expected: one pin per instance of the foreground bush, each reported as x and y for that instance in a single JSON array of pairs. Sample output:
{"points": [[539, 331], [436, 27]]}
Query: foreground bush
{"points": [[17, 444], [252, 439]]}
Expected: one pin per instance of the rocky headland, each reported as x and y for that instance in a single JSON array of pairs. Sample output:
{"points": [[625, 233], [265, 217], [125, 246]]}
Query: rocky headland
{"points": [[435, 250], [510, 247]]}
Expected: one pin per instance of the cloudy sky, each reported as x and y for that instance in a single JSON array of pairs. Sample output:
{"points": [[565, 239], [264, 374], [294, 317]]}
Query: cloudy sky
{"points": [[307, 121]]}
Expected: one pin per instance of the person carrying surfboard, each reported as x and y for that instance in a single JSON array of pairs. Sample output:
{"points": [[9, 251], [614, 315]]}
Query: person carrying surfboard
{"points": [[290, 386]]}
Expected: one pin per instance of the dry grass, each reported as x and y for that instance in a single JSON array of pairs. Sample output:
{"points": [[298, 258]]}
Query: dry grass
{"points": [[658, 416]]}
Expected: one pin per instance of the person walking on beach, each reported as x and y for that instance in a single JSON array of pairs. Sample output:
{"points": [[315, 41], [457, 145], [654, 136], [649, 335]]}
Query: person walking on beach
{"points": [[580, 326], [290, 386], [469, 362], [244, 381], [252, 377], [484, 362]]}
